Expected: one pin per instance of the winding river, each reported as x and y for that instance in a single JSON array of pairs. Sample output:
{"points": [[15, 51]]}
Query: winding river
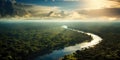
{"points": [[57, 54]]}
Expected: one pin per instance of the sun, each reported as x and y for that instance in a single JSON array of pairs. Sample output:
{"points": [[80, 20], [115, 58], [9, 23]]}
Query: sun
{"points": [[95, 4]]}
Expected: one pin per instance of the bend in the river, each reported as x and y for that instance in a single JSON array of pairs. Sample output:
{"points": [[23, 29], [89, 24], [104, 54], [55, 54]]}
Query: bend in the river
{"points": [[55, 55]]}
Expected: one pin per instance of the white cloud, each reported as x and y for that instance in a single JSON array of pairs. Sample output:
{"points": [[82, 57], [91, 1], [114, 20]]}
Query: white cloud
{"points": [[47, 12]]}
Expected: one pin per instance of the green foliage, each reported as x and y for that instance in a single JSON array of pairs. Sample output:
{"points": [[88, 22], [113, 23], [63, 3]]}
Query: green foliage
{"points": [[108, 49], [19, 41]]}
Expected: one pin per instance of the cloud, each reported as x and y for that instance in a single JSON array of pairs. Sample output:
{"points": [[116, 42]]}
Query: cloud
{"points": [[115, 0], [99, 4], [115, 3], [105, 13], [110, 11], [41, 10], [45, 12], [101, 9]]}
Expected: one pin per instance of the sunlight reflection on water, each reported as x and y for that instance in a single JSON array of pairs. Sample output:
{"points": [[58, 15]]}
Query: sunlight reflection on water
{"points": [[57, 54]]}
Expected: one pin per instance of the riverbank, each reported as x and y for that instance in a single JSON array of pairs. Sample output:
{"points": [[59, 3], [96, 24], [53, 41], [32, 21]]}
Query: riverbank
{"points": [[18, 40], [57, 54], [108, 49]]}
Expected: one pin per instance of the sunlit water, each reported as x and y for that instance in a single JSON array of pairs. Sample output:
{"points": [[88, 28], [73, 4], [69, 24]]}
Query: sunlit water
{"points": [[57, 54]]}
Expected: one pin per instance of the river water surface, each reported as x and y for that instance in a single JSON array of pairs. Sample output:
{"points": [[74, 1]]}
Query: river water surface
{"points": [[57, 54]]}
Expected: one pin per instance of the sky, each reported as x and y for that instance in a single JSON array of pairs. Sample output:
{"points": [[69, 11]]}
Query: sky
{"points": [[75, 9], [63, 4]]}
